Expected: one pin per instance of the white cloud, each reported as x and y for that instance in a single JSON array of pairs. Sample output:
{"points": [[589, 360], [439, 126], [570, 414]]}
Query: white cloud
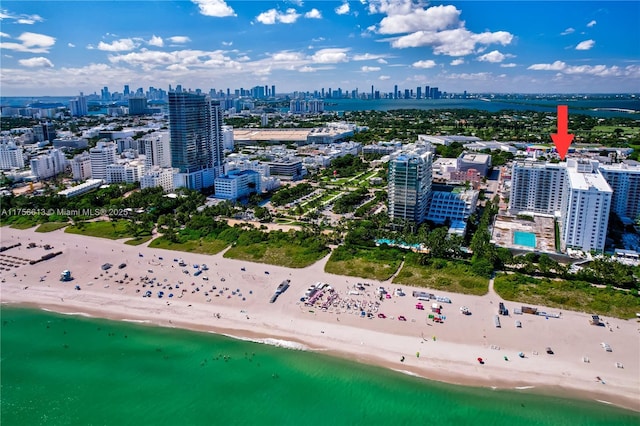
{"points": [[591, 23], [435, 18], [21, 19], [287, 56], [342, 9], [38, 62], [470, 76], [369, 69], [439, 27], [313, 14], [556, 66], [272, 16], [568, 31], [4, 35], [382, 61], [510, 65], [215, 8], [384, 77], [456, 62], [424, 64], [156, 41], [367, 57], [330, 56], [227, 43], [121, 45], [307, 68], [31, 43], [179, 39], [585, 45], [494, 57]]}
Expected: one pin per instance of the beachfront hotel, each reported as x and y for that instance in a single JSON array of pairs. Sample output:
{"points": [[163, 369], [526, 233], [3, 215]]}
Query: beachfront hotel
{"points": [[624, 180], [195, 124], [575, 192], [410, 184]]}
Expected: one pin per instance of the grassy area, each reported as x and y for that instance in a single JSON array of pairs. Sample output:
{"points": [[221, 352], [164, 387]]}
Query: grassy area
{"points": [[23, 225], [51, 226], [203, 245], [375, 263], [113, 230], [440, 274], [291, 256], [567, 295], [137, 241]]}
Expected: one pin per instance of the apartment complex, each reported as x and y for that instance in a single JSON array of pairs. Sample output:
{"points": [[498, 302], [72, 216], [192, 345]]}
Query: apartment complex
{"points": [[624, 180], [410, 183], [195, 123], [575, 192]]}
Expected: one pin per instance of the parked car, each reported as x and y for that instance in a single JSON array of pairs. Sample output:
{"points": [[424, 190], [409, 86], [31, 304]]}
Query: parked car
{"points": [[549, 351]]}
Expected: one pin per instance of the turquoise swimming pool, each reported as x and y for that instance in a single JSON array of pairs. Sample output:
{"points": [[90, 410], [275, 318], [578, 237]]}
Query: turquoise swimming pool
{"points": [[524, 239]]}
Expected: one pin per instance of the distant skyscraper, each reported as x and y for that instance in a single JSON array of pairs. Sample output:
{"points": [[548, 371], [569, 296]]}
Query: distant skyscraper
{"points": [[418, 92], [395, 92], [126, 90], [79, 106], [195, 123], [427, 92], [410, 184], [273, 90], [106, 96], [137, 105], [407, 94]]}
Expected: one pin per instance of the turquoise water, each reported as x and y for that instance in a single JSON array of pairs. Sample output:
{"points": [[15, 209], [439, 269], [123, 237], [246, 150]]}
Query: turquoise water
{"points": [[524, 239], [69, 370]]}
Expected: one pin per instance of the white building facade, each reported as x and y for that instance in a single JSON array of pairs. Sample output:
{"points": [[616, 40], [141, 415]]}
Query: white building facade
{"points": [[48, 165], [11, 156], [158, 177], [102, 155], [81, 166]]}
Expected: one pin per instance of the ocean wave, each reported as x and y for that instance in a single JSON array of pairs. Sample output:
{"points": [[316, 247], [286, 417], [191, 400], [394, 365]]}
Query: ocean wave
{"points": [[524, 387], [79, 314], [408, 373], [287, 344], [137, 321], [604, 402]]}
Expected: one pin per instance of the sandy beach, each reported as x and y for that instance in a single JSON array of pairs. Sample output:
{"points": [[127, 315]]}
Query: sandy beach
{"points": [[239, 306]]}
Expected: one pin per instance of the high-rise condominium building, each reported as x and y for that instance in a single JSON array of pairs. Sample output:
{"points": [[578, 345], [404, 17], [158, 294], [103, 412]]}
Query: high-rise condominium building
{"points": [[410, 184], [537, 187], [624, 180], [575, 192], [11, 156], [79, 106], [585, 207], [102, 155], [195, 123], [157, 149]]}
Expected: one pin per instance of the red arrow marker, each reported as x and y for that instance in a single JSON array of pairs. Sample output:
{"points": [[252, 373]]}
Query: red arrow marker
{"points": [[562, 139]]}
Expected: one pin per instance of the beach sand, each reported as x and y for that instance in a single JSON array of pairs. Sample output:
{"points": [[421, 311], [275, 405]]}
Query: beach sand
{"points": [[240, 307]]}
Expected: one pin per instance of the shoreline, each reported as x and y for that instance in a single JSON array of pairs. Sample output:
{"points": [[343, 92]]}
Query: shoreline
{"points": [[449, 357]]}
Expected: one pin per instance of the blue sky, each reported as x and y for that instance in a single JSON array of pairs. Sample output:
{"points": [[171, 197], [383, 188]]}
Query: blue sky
{"points": [[64, 47]]}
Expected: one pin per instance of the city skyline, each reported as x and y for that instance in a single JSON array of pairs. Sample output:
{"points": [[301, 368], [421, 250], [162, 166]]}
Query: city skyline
{"points": [[61, 48]]}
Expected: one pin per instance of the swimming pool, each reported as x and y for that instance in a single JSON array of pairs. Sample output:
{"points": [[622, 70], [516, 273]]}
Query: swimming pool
{"points": [[524, 239]]}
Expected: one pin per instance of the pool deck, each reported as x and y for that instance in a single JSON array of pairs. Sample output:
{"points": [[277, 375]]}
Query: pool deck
{"points": [[542, 227]]}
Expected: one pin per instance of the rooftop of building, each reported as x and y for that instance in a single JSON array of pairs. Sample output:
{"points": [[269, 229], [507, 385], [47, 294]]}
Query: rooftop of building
{"points": [[280, 135], [470, 157], [584, 181]]}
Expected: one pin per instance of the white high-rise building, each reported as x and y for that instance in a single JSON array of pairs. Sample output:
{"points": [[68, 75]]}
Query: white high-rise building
{"points": [[537, 187], [157, 149], [11, 156], [585, 207], [575, 192], [624, 180], [48, 165], [79, 106], [81, 166], [130, 172], [410, 183], [227, 138], [158, 177], [102, 155]]}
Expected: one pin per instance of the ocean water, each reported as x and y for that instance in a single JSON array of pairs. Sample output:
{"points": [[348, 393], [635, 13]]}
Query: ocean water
{"points": [[70, 370]]}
